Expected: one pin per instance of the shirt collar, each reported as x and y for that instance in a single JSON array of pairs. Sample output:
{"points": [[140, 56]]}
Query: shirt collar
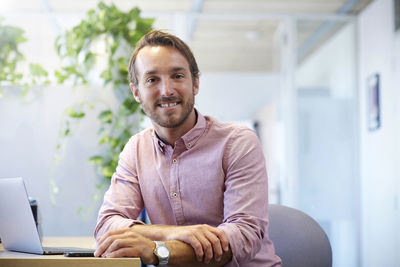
{"points": [[190, 138]]}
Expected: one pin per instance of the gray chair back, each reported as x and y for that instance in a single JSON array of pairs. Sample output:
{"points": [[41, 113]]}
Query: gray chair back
{"points": [[298, 239]]}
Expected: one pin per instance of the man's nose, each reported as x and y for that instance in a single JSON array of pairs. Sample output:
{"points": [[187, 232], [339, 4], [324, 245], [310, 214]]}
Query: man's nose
{"points": [[166, 88]]}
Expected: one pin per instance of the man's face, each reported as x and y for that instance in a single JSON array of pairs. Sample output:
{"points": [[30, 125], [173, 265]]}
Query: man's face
{"points": [[165, 86]]}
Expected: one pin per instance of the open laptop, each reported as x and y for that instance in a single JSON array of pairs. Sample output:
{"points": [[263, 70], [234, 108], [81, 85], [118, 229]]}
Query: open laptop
{"points": [[18, 230]]}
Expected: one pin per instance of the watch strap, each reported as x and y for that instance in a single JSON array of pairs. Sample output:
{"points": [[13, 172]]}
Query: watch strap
{"points": [[162, 261]]}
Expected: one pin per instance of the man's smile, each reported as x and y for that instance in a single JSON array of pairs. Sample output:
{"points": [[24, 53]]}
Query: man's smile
{"points": [[167, 105], [168, 102]]}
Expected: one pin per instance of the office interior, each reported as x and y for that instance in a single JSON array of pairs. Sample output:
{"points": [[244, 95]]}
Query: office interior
{"points": [[301, 73]]}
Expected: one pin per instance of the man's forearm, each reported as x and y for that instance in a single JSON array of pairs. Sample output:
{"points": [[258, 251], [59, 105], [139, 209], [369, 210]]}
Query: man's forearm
{"points": [[182, 254], [153, 232]]}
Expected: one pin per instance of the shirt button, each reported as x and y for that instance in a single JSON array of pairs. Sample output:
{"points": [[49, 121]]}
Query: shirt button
{"points": [[190, 145], [174, 161], [174, 194]]}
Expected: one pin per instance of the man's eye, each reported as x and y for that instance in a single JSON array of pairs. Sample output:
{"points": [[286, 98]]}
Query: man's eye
{"points": [[179, 76], [150, 80]]}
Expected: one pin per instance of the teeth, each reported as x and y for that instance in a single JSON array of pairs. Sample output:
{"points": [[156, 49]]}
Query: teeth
{"points": [[168, 105]]}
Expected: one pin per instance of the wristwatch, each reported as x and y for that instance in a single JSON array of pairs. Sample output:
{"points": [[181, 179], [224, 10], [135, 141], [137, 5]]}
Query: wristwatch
{"points": [[162, 253]]}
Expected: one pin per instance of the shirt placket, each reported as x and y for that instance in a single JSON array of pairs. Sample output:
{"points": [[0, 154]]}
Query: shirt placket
{"points": [[175, 196]]}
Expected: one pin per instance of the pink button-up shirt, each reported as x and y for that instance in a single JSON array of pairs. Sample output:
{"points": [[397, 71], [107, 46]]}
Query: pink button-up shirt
{"points": [[215, 174]]}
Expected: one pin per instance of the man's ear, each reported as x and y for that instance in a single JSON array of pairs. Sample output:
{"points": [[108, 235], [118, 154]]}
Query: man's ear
{"points": [[135, 92], [196, 85]]}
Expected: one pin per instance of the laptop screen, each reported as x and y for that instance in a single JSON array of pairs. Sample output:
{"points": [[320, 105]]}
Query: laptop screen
{"points": [[18, 230]]}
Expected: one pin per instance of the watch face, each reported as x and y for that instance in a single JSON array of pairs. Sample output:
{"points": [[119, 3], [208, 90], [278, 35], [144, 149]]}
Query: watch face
{"points": [[163, 251]]}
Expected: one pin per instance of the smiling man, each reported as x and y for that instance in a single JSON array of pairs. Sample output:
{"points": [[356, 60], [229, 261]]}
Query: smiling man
{"points": [[203, 183]]}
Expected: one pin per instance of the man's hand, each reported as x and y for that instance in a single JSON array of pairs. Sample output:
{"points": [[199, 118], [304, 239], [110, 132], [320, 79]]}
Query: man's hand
{"points": [[208, 242], [125, 243]]}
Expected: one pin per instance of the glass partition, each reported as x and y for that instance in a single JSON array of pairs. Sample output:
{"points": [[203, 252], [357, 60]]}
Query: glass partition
{"points": [[326, 112]]}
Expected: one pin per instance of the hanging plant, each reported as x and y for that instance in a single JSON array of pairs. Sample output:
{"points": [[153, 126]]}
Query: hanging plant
{"points": [[99, 47], [11, 57]]}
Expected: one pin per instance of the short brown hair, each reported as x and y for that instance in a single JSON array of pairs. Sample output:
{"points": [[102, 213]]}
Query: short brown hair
{"points": [[160, 38]]}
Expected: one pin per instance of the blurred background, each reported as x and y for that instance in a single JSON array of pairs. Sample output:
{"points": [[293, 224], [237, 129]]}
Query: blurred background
{"points": [[318, 80]]}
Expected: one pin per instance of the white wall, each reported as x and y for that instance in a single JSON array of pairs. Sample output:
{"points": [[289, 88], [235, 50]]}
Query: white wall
{"points": [[332, 66], [236, 96], [379, 52]]}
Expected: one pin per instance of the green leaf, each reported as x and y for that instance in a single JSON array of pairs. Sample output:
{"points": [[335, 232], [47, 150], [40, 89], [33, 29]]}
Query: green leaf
{"points": [[101, 185], [37, 70], [108, 172], [73, 114], [124, 137], [96, 160], [89, 59], [111, 141], [106, 116], [121, 123], [101, 130], [122, 62], [131, 105], [134, 13], [114, 142], [91, 12], [106, 75], [60, 77], [24, 91], [90, 105], [103, 140], [79, 210], [114, 47]]}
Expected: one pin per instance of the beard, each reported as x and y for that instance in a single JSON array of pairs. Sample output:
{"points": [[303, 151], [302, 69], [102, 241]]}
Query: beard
{"points": [[173, 118]]}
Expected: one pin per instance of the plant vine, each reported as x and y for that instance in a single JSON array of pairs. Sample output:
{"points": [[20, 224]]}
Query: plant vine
{"points": [[98, 48]]}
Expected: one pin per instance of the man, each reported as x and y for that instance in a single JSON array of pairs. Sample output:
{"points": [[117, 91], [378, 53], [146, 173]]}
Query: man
{"points": [[203, 183]]}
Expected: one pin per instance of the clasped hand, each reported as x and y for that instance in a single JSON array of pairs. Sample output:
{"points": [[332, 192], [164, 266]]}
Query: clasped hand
{"points": [[208, 242], [125, 243]]}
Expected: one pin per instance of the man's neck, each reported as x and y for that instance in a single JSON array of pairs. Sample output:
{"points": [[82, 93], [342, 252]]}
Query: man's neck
{"points": [[170, 135]]}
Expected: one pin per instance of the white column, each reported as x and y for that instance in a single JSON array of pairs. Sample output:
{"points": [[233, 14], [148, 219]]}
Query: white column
{"points": [[288, 106]]}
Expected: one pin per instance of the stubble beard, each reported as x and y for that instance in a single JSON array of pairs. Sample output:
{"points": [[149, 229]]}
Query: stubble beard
{"points": [[170, 121]]}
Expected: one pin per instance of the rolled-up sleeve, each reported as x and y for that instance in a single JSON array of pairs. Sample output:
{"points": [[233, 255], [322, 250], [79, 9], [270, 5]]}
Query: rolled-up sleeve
{"points": [[245, 197], [123, 200]]}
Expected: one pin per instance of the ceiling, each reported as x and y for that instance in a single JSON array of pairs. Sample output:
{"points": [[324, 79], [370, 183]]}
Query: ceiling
{"points": [[225, 35]]}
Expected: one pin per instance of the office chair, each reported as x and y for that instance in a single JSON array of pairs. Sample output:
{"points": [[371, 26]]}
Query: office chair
{"points": [[298, 239]]}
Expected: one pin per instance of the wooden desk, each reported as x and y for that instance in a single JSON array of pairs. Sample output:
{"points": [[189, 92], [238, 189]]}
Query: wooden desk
{"points": [[17, 259]]}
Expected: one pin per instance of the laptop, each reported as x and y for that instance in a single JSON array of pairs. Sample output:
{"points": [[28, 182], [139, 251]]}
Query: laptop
{"points": [[18, 231]]}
